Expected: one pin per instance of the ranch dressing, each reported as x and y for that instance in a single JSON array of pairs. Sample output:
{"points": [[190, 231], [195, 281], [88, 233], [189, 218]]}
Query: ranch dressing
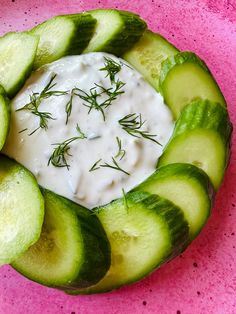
{"points": [[77, 182]]}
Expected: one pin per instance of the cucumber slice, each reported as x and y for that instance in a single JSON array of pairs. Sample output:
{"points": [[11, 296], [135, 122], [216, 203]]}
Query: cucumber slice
{"points": [[17, 53], [61, 36], [4, 116], [73, 250], [187, 187], [185, 77], [147, 55], [201, 137], [116, 31], [21, 210], [144, 231]]}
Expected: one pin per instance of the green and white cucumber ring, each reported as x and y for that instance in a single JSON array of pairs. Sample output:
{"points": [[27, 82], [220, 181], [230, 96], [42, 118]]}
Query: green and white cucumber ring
{"points": [[21, 210], [157, 219]]}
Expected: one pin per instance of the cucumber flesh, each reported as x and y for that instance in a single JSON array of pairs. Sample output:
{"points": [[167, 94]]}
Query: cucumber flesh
{"points": [[17, 53], [4, 117], [185, 77], [116, 31], [186, 186], [73, 250], [21, 210], [144, 231], [201, 137], [147, 55], [61, 36]]}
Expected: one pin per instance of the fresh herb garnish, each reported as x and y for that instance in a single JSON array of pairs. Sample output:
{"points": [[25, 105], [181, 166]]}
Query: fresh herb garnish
{"points": [[112, 68], [114, 165], [58, 157], [126, 64], [69, 105], [91, 98], [35, 101], [132, 124], [121, 152], [23, 130], [112, 93], [95, 166]]}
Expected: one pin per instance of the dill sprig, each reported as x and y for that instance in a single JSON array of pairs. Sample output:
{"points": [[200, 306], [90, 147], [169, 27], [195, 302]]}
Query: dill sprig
{"points": [[121, 152], [126, 64], [69, 105], [112, 93], [112, 68], [35, 101], [58, 157], [133, 123], [114, 165], [43, 120], [91, 98], [95, 166], [23, 130]]}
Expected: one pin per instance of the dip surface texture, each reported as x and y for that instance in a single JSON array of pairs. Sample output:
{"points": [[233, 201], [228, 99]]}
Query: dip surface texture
{"points": [[89, 177]]}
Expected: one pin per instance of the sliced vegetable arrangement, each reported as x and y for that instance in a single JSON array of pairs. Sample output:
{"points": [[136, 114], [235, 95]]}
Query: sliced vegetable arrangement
{"points": [[58, 243]]}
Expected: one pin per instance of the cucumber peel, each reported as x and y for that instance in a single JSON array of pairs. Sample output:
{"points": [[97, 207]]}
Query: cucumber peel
{"points": [[21, 210], [185, 77], [4, 116]]}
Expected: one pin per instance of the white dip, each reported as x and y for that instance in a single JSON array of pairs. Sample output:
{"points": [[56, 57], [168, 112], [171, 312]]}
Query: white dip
{"points": [[89, 188]]}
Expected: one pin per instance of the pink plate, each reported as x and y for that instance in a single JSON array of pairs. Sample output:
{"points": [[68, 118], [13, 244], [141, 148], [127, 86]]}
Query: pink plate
{"points": [[203, 279]]}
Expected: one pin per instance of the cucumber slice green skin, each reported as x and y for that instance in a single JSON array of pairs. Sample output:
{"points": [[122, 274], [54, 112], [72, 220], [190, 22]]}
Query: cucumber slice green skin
{"points": [[185, 77], [144, 231], [187, 187], [21, 210], [147, 55], [202, 137], [4, 116], [116, 31], [61, 36], [73, 251], [17, 53]]}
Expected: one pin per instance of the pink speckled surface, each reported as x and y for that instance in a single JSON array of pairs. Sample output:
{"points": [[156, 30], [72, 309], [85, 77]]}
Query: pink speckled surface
{"points": [[203, 279]]}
